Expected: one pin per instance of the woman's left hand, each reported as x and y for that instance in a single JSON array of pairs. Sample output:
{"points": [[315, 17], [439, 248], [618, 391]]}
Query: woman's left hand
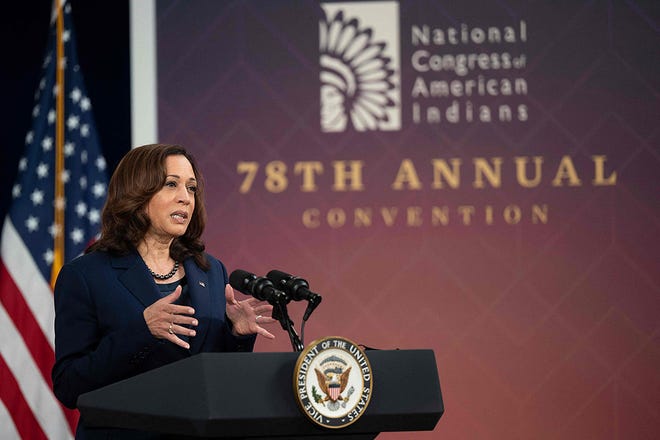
{"points": [[248, 316]]}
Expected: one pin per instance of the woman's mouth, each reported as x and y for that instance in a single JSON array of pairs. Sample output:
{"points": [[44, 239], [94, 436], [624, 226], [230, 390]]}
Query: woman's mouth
{"points": [[179, 217]]}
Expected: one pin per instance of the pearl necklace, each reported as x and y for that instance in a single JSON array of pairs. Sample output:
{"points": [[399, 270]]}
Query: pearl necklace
{"points": [[167, 275]]}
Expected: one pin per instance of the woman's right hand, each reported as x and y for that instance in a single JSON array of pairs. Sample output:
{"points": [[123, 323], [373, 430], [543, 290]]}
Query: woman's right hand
{"points": [[166, 320]]}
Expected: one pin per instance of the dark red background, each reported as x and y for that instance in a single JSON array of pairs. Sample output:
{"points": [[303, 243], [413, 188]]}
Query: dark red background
{"points": [[541, 331]]}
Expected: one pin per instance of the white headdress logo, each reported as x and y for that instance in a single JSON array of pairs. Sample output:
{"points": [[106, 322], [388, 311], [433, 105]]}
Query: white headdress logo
{"points": [[359, 80]]}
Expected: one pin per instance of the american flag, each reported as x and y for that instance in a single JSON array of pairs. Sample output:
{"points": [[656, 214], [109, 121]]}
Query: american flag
{"points": [[61, 170]]}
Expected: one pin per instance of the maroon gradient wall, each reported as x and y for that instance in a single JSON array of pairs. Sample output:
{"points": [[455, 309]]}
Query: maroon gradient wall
{"points": [[529, 263]]}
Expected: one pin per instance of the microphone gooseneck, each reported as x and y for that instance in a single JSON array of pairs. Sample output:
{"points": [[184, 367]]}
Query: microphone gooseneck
{"points": [[263, 289]]}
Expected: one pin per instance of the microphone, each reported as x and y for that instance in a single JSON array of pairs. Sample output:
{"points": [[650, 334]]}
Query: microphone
{"points": [[296, 288], [259, 287]]}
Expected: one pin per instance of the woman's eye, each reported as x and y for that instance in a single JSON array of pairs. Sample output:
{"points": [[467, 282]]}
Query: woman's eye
{"points": [[171, 184], [192, 189]]}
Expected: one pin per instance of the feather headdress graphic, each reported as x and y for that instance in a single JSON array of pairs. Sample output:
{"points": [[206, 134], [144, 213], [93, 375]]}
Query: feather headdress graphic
{"points": [[357, 80]]}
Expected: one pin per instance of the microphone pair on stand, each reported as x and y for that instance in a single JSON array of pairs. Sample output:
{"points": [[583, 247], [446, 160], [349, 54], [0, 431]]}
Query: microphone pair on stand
{"points": [[278, 288]]}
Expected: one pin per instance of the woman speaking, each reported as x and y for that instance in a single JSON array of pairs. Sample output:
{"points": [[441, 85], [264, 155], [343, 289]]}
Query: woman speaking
{"points": [[146, 294]]}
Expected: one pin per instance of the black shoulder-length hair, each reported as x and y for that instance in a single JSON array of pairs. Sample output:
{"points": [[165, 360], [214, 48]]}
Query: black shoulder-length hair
{"points": [[140, 174]]}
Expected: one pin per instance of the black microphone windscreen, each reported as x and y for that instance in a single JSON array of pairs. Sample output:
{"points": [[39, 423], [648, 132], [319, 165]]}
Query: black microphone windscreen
{"points": [[277, 276], [239, 279]]}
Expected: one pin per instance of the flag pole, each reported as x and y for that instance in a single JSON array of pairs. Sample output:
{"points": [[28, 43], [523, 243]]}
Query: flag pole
{"points": [[58, 248]]}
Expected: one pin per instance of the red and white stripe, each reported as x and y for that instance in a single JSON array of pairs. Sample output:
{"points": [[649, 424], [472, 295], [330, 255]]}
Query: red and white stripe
{"points": [[29, 408]]}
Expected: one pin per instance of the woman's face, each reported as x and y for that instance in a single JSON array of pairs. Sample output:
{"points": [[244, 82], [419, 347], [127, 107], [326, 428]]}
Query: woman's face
{"points": [[171, 208]]}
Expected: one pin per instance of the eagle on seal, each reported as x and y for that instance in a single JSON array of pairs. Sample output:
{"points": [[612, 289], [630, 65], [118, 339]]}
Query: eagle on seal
{"points": [[333, 383]]}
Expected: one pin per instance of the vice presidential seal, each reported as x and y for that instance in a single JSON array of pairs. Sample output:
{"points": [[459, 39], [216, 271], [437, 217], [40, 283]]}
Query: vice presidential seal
{"points": [[332, 382]]}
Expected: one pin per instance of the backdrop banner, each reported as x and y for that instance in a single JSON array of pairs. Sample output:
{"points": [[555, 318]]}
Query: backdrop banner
{"points": [[479, 178]]}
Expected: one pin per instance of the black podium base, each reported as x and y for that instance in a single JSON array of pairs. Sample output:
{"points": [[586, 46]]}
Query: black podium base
{"points": [[250, 396]]}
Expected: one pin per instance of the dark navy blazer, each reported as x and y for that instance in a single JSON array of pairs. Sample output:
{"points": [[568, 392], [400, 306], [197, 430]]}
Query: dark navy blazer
{"points": [[100, 333]]}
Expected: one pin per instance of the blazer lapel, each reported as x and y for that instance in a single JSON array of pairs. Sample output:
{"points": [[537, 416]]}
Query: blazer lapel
{"points": [[200, 299], [136, 279]]}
